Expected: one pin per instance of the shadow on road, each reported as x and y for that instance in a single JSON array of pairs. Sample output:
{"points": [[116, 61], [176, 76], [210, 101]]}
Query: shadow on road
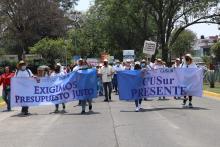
{"points": [[166, 108], [87, 113]]}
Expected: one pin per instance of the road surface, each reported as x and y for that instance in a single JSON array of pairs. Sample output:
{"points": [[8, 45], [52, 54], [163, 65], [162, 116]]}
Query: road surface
{"points": [[115, 124]]}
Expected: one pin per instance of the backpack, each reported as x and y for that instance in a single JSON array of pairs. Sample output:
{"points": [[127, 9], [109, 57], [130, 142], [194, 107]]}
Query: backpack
{"points": [[16, 73]]}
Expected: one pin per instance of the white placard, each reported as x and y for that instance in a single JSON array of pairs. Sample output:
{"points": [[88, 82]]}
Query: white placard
{"points": [[149, 47]]}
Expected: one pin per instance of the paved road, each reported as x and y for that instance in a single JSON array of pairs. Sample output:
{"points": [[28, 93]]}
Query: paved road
{"points": [[115, 124]]}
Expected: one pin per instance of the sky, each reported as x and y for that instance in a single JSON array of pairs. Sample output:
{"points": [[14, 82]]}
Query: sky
{"points": [[199, 29]]}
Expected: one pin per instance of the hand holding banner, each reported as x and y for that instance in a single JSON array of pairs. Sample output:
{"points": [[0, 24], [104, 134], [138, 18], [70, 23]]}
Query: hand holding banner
{"points": [[161, 82], [78, 85]]}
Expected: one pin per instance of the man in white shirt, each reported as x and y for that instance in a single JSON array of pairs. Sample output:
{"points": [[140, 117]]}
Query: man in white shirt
{"points": [[118, 67], [128, 65], [106, 73], [159, 64], [177, 63], [23, 72]]}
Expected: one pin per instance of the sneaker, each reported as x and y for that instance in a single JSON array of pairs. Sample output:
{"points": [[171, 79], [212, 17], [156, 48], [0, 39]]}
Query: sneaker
{"points": [[190, 105], [26, 113], [137, 109], [63, 111], [145, 99], [140, 107], [56, 111], [105, 100], [83, 112]]}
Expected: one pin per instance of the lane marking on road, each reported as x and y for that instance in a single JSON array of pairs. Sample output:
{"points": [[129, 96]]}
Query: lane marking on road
{"points": [[114, 125], [171, 124]]}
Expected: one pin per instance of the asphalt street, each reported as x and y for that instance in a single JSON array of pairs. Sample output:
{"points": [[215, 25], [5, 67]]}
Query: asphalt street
{"points": [[115, 124]]}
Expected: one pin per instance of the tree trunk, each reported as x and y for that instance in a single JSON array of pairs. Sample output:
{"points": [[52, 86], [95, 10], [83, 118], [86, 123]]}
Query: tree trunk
{"points": [[165, 50], [212, 85]]}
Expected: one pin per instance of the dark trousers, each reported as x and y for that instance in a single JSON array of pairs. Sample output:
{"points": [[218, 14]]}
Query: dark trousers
{"points": [[6, 97], [57, 106], [185, 99], [108, 90], [24, 109], [138, 102], [84, 104]]}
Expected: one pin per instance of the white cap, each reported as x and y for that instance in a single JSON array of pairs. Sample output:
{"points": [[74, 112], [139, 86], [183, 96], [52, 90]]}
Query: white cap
{"points": [[177, 59], [188, 55], [137, 62], [128, 60], [143, 60], [106, 60], [58, 64]]}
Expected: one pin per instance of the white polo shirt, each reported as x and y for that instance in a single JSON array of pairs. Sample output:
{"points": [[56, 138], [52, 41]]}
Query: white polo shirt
{"points": [[105, 71]]}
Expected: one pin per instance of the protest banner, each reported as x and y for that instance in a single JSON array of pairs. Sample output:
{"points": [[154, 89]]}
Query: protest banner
{"points": [[149, 47], [162, 82], [78, 85]]}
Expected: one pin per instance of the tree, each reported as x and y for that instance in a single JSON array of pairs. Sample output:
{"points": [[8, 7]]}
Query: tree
{"points": [[183, 43], [216, 50], [28, 21], [112, 26], [52, 50], [180, 14]]}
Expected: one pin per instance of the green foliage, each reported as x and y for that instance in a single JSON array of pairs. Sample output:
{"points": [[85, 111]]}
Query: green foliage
{"points": [[183, 43], [53, 50], [216, 50], [28, 21], [12, 65], [211, 78], [207, 60]]}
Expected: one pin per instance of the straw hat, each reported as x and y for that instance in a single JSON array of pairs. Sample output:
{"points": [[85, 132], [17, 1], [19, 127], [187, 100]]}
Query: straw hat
{"points": [[188, 55]]}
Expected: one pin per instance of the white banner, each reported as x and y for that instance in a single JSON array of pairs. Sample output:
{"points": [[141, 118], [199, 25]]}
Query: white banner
{"points": [[78, 85], [161, 82]]}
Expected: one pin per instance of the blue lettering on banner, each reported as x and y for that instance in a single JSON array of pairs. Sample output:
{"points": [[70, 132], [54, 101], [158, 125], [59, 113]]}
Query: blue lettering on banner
{"points": [[163, 82], [80, 85]]}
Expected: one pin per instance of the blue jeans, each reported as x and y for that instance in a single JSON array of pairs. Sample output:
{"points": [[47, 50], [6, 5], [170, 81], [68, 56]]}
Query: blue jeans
{"points": [[99, 87], [115, 83]]}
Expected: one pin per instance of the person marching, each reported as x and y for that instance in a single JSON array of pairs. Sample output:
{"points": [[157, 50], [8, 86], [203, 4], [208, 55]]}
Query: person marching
{"points": [[23, 72], [158, 65], [106, 73], [128, 65], [177, 64], [145, 66], [85, 66], [5, 79], [78, 67], [188, 64], [118, 67], [138, 101], [57, 72]]}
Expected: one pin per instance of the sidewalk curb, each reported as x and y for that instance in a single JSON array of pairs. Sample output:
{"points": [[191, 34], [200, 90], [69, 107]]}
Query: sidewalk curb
{"points": [[2, 104], [211, 94]]}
